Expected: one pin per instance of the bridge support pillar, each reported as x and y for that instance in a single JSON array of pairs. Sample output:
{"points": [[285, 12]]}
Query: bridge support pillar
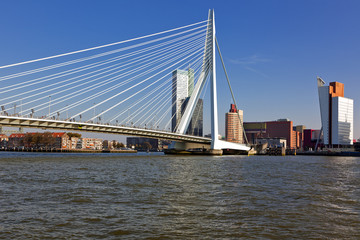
{"points": [[177, 146], [192, 148], [181, 146]]}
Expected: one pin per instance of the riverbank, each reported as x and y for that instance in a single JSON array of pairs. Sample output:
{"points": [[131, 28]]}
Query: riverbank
{"points": [[68, 150], [329, 153]]}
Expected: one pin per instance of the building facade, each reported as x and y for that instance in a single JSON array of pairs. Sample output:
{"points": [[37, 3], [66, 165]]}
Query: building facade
{"points": [[90, 143], [311, 137], [282, 128], [336, 114], [62, 140], [142, 143], [196, 123], [182, 88], [233, 129], [16, 140], [4, 139], [180, 91]]}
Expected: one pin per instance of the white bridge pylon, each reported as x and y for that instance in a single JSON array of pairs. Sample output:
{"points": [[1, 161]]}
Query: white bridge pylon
{"points": [[209, 66]]}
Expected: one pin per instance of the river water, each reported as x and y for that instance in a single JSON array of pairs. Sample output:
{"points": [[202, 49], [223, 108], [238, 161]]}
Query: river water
{"points": [[154, 196]]}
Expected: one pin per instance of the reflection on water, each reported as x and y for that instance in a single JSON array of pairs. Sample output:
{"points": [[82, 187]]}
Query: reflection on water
{"points": [[156, 196]]}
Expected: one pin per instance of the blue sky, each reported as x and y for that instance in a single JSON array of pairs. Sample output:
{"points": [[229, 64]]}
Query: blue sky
{"points": [[273, 50]]}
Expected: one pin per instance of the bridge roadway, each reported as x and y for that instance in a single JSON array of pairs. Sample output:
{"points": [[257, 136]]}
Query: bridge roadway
{"points": [[13, 121]]}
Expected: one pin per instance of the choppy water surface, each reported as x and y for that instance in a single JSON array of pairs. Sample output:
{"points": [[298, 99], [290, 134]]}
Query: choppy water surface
{"points": [[155, 196]]}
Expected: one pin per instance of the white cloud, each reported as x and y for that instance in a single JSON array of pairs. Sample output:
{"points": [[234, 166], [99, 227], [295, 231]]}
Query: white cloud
{"points": [[254, 59], [246, 62]]}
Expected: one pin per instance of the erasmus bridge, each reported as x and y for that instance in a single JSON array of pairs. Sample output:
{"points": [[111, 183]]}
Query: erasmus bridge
{"points": [[120, 88]]}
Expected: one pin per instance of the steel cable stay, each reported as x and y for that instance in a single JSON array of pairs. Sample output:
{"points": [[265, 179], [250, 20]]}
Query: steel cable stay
{"points": [[150, 112], [203, 69], [232, 94], [100, 63], [196, 71], [153, 105], [188, 54], [102, 46], [202, 96], [177, 124], [136, 103], [170, 108], [116, 78], [76, 82], [107, 90], [88, 58], [205, 55]]}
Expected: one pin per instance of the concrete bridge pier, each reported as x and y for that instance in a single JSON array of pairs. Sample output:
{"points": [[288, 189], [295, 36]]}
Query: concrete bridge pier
{"points": [[192, 148]]}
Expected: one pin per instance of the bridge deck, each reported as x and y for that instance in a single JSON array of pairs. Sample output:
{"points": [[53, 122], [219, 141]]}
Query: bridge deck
{"points": [[12, 121]]}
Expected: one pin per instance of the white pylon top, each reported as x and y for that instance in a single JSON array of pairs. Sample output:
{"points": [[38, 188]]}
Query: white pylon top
{"points": [[209, 65]]}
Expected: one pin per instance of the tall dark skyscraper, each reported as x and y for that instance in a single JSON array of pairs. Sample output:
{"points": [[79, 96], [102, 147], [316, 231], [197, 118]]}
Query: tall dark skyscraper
{"points": [[182, 88], [196, 123]]}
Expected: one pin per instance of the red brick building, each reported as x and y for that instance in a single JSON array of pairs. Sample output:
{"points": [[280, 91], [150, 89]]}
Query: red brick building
{"points": [[311, 136], [61, 140], [233, 129], [282, 128]]}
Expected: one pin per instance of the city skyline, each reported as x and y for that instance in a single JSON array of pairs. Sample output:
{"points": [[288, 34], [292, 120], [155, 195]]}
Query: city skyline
{"points": [[273, 51]]}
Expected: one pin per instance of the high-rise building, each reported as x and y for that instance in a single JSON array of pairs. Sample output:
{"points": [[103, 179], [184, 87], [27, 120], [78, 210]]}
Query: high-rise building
{"points": [[233, 128], [196, 123], [336, 114], [182, 88], [180, 91], [190, 81]]}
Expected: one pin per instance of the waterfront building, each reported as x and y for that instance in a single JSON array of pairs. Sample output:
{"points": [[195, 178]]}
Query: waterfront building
{"points": [[255, 130], [311, 136], [3, 137], [272, 142], [142, 143], [233, 129], [282, 128], [58, 140], [336, 114], [3, 140], [75, 143], [16, 140], [61, 140], [299, 129], [90, 143]]}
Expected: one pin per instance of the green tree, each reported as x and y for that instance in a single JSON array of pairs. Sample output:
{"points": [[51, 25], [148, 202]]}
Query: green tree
{"points": [[147, 145], [47, 139], [28, 140], [105, 144], [70, 134], [36, 140]]}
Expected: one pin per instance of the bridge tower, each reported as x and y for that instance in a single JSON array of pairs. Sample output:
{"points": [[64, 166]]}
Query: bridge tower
{"points": [[209, 67]]}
